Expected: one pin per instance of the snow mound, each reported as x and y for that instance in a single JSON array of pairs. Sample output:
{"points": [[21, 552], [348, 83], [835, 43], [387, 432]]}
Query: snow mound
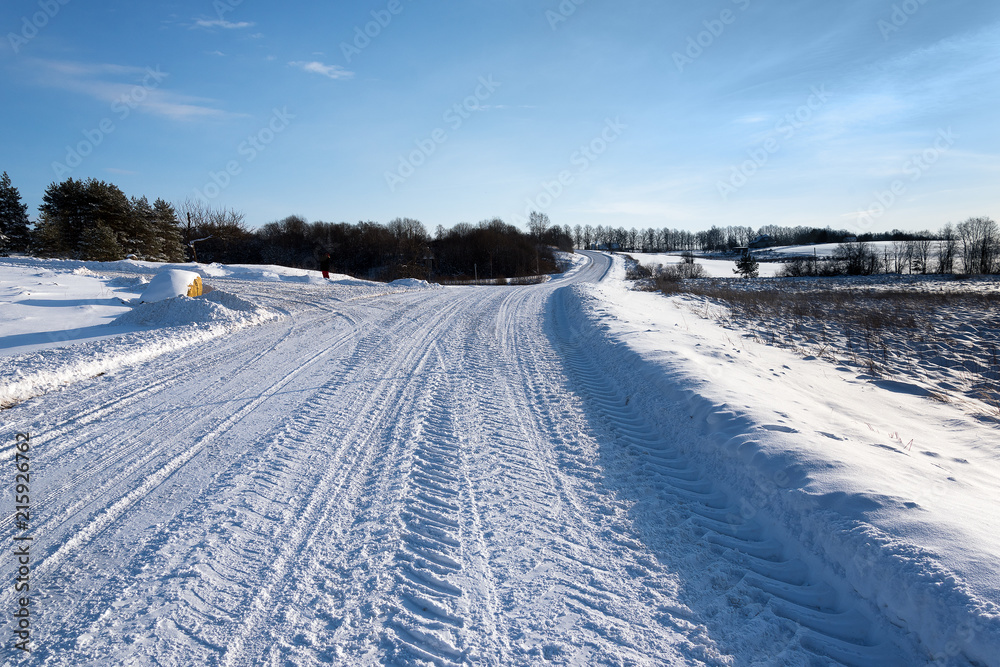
{"points": [[214, 308], [412, 282], [168, 284], [216, 270], [123, 281]]}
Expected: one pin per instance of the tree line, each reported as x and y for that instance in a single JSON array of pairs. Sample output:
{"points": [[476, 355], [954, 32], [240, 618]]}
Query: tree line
{"points": [[90, 220], [720, 239], [94, 220], [970, 247]]}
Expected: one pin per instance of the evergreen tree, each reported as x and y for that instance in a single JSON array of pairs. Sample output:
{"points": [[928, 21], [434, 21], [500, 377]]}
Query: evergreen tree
{"points": [[65, 212], [747, 266], [71, 208], [47, 240], [140, 238], [170, 247], [15, 235], [100, 244]]}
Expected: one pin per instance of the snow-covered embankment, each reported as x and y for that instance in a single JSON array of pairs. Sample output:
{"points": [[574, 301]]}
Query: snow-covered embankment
{"points": [[886, 497]]}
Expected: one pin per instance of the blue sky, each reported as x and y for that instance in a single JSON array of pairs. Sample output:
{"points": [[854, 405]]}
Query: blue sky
{"points": [[860, 115]]}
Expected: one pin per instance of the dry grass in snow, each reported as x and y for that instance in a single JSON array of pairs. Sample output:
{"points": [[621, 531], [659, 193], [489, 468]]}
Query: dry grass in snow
{"points": [[935, 337]]}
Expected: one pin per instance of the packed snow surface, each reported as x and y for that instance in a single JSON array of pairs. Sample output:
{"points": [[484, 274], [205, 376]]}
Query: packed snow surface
{"points": [[300, 471]]}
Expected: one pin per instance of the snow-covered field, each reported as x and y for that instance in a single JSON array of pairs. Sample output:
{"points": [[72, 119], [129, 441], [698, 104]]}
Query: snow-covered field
{"points": [[772, 260], [303, 472], [714, 268]]}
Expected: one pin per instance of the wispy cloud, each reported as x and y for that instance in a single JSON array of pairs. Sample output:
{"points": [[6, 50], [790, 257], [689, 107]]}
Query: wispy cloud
{"points": [[120, 86], [221, 23], [316, 67], [75, 69]]}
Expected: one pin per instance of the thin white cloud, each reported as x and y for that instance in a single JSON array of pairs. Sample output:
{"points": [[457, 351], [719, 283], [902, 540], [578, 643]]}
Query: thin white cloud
{"points": [[221, 23], [316, 67], [89, 69], [124, 87]]}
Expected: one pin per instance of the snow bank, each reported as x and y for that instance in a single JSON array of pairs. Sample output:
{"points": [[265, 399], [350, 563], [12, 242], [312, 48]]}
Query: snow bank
{"points": [[214, 307], [42, 308], [413, 282], [171, 324], [820, 458]]}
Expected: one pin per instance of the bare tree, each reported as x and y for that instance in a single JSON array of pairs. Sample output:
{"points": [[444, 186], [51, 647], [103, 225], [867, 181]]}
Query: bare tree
{"points": [[538, 224], [857, 259], [980, 238], [920, 255], [947, 248]]}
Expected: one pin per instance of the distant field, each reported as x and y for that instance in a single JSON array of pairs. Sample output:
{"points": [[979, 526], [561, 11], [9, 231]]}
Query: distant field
{"points": [[715, 268], [933, 336]]}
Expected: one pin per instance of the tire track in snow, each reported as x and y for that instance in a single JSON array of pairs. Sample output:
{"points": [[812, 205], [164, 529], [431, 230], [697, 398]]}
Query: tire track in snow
{"points": [[59, 442], [138, 387], [67, 445], [117, 508], [427, 614], [211, 568], [123, 490], [567, 593], [385, 402], [209, 577], [827, 626]]}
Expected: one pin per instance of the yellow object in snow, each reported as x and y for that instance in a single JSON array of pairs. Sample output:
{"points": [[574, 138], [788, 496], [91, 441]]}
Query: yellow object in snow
{"points": [[171, 283]]}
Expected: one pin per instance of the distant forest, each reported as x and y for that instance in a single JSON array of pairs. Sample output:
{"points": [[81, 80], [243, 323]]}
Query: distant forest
{"points": [[95, 220]]}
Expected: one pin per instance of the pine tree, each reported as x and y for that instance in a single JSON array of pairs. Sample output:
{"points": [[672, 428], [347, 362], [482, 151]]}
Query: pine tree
{"points": [[71, 208], [48, 240], [15, 235], [747, 266], [65, 213], [141, 238], [100, 244], [168, 232]]}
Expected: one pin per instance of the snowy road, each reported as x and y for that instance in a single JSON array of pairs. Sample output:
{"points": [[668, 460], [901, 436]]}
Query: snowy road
{"points": [[435, 477]]}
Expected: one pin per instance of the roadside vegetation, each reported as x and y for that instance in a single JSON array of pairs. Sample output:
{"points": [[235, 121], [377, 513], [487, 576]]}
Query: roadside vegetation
{"points": [[935, 336], [94, 220]]}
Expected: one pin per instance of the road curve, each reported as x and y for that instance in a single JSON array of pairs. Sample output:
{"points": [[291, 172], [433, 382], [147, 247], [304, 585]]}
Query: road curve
{"points": [[433, 477]]}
